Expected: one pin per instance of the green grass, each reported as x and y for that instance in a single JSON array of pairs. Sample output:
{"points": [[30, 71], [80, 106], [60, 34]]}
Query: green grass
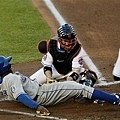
{"points": [[21, 28]]}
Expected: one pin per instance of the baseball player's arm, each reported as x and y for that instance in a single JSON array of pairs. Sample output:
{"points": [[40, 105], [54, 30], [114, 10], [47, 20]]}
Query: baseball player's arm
{"points": [[74, 75], [19, 94], [47, 61], [77, 64], [26, 100], [48, 73]]}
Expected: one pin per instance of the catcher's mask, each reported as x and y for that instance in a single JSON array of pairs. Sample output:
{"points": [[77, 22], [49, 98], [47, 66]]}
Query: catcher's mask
{"points": [[5, 64], [67, 37]]}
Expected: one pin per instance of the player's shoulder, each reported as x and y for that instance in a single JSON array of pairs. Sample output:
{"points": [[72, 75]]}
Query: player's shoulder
{"points": [[10, 79], [12, 76]]}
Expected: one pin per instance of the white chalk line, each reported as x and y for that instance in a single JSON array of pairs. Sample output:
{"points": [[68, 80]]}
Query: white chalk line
{"points": [[104, 83], [4, 99], [88, 61], [32, 115]]}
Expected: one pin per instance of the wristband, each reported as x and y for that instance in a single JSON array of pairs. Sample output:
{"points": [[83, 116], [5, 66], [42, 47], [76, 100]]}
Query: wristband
{"points": [[46, 68], [74, 76]]}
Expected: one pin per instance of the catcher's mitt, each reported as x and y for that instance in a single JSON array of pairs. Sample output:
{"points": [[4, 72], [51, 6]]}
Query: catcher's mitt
{"points": [[50, 80], [88, 77]]}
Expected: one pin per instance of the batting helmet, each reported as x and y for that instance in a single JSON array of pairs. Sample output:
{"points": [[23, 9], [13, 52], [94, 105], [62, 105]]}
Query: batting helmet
{"points": [[5, 64], [67, 36]]}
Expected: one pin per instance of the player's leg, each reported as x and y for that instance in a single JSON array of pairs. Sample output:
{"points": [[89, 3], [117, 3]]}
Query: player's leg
{"points": [[116, 69], [39, 76], [105, 96], [59, 92]]}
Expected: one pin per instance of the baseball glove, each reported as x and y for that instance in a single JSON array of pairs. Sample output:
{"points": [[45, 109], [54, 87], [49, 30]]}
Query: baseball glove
{"points": [[88, 77]]}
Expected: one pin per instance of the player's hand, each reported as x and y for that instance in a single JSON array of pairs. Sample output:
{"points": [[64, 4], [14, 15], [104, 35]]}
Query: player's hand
{"points": [[42, 111], [50, 80]]}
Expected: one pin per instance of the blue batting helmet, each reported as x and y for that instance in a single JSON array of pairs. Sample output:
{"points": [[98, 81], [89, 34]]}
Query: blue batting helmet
{"points": [[5, 64]]}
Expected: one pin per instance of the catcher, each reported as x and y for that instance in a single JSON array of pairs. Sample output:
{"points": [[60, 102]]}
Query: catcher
{"points": [[18, 87], [63, 59]]}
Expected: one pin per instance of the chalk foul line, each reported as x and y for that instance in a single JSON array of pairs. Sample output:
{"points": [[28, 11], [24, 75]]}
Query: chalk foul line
{"points": [[104, 83], [32, 114]]}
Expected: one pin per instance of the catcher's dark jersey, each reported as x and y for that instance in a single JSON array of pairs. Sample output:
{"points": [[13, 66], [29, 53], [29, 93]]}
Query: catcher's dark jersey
{"points": [[62, 60]]}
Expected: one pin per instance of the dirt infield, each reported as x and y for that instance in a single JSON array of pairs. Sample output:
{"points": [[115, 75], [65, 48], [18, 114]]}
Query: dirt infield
{"points": [[97, 23]]}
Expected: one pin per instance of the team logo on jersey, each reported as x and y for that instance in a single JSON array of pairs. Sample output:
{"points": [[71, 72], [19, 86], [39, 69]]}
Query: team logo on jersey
{"points": [[80, 61], [60, 60], [23, 78]]}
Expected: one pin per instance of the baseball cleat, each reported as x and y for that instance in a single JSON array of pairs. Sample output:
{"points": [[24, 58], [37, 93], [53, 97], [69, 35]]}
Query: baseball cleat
{"points": [[99, 102], [118, 96]]}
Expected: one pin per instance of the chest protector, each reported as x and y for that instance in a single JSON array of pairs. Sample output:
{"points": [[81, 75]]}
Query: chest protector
{"points": [[62, 61]]}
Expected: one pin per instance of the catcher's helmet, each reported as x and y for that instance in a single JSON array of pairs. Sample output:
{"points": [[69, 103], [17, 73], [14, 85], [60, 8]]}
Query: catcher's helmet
{"points": [[5, 64], [67, 37], [66, 31]]}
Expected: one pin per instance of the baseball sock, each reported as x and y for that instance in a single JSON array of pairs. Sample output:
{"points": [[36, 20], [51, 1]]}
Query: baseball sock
{"points": [[101, 95]]}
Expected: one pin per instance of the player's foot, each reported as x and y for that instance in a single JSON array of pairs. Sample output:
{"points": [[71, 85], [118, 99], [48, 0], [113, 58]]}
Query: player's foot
{"points": [[118, 96], [99, 102]]}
